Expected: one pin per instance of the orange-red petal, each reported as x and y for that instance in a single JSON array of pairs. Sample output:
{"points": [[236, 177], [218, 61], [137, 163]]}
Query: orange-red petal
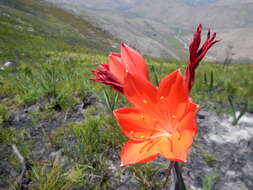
{"points": [[133, 61], [182, 145], [135, 124], [173, 94], [116, 67], [104, 75], [140, 92], [176, 147], [188, 122], [165, 148], [138, 152]]}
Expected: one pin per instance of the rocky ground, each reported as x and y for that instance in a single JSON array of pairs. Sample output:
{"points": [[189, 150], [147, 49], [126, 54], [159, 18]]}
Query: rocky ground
{"points": [[224, 151], [222, 156]]}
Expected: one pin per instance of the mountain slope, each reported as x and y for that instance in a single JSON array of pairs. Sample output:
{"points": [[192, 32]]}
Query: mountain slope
{"points": [[164, 28], [29, 28], [148, 36], [217, 14]]}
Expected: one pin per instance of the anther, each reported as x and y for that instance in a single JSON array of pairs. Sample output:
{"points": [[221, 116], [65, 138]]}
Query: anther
{"points": [[145, 101]]}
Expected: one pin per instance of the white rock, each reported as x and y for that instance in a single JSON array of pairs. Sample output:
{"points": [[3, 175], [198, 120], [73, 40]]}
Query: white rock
{"points": [[8, 63]]}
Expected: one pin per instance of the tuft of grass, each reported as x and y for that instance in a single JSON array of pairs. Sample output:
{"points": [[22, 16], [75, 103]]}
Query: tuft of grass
{"points": [[93, 111], [4, 114], [111, 99], [96, 135], [242, 111], [95, 139], [7, 135], [44, 112], [89, 138], [55, 177], [146, 176], [209, 82], [209, 158], [209, 181], [57, 136]]}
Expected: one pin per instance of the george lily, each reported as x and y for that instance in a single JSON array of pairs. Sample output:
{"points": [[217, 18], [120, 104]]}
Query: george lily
{"points": [[113, 73], [162, 120]]}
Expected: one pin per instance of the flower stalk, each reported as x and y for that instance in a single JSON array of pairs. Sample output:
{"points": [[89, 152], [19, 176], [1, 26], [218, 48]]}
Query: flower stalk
{"points": [[179, 181]]}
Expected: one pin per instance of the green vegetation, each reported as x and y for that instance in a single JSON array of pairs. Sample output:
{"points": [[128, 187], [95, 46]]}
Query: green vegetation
{"points": [[96, 139], [7, 136], [30, 31], [94, 136], [55, 177], [209, 158], [209, 181], [147, 176], [57, 79], [4, 115]]}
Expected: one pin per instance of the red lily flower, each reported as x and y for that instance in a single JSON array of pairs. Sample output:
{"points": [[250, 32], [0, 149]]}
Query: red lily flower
{"points": [[196, 54], [162, 121], [113, 74]]}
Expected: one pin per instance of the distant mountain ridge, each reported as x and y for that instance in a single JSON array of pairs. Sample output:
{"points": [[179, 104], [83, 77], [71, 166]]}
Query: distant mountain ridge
{"points": [[198, 2], [164, 28]]}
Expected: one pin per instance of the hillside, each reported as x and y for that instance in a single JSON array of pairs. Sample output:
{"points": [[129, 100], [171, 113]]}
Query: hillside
{"points": [[29, 28], [163, 28]]}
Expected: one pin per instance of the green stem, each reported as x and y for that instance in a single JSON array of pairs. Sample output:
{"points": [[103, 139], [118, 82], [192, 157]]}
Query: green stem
{"points": [[179, 179], [168, 172]]}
